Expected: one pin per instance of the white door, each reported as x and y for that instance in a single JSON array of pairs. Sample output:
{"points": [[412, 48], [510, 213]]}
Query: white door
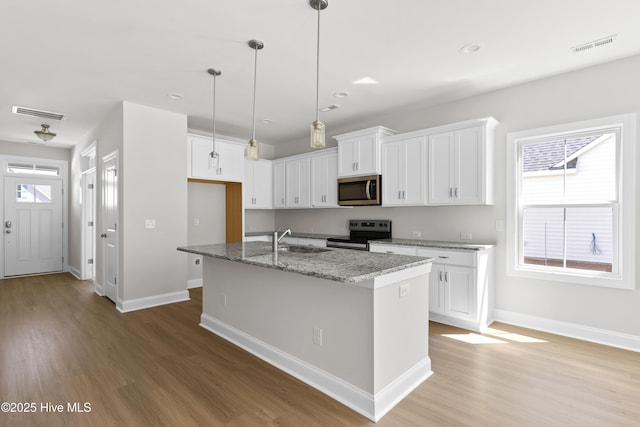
{"points": [[109, 234], [89, 229], [33, 225]]}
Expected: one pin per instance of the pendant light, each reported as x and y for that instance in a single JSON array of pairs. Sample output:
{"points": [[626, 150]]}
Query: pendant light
{"points": [[44, 133], [214, 156], [317, 127], [252, 146]]}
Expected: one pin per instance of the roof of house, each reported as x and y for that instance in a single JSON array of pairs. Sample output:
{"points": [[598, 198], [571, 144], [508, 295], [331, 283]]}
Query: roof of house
{"points": [[550, 155]]}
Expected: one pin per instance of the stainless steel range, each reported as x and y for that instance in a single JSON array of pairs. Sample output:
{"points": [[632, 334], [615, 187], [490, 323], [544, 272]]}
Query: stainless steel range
{"points": [[361, 231]]}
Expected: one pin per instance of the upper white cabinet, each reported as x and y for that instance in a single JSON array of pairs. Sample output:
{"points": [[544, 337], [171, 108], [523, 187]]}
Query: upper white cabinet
{"points": [[229, 166], [404, 164], [324, 179], [257, 185], [298, 183], [460, 166], [279, 184], [359, 152]]}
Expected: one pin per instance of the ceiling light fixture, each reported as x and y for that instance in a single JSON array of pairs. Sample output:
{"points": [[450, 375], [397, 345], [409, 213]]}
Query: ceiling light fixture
{"points": [[365, 81], [175, 96], [44, 133], [470, 48], [252, 145], [213, 156], [341, 94], [317, 127]]}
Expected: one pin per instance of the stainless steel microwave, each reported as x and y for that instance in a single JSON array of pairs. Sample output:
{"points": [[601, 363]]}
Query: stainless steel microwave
{"points": [[360, 190]]}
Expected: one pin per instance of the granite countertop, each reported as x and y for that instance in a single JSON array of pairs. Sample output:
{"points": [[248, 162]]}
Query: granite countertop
{"points": [[295, 234], [340, 265], [435, 244]]}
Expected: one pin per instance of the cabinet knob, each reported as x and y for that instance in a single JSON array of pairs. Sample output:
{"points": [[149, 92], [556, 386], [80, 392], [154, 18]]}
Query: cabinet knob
{"points": [[103, 235]]}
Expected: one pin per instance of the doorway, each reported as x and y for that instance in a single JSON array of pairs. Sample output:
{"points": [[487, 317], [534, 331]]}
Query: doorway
{"points": [[109, 233]]}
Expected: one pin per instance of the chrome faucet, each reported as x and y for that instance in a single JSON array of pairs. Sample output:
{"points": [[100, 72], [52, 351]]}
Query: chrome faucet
{"points": [[276, 239]]}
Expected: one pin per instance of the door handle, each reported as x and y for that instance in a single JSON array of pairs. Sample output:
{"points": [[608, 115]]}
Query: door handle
{"points": [[103, 235], [7, 231]]}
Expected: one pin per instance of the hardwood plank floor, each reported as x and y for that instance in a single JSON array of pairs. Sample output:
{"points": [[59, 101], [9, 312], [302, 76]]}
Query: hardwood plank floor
{"points": [[61, 343]]}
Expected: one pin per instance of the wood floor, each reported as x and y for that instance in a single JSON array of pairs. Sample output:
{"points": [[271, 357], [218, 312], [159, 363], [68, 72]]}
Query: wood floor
{"points": [[61, 343]]}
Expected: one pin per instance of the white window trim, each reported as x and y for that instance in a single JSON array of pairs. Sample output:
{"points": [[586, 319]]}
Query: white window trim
{"points": [[625, 232]]}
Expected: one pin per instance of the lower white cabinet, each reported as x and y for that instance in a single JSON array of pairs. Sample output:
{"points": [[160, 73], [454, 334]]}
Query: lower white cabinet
{"points": [[460, 284]]}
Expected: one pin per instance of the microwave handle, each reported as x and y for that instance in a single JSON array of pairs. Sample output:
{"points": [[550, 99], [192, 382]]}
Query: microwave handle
{"points": [[367, 189]]}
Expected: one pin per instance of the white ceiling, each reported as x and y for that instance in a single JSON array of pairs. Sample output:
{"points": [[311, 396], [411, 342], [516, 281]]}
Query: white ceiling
{"points": [[83, 57]]}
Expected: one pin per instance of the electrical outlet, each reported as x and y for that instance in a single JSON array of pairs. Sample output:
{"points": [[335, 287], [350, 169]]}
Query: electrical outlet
{"points": [[150, 223], [197, 261], [466, 236], [317, 336], [416, 234], [404, 290]]}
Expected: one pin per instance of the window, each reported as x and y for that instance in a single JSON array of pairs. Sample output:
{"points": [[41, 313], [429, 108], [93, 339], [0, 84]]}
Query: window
{"points": [[30, 193], [571, 202], [33, 169]]}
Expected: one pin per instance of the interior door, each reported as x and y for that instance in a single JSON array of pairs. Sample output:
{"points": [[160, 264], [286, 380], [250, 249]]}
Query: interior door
{"points": [[109, 234], [33, 225], [89, 206]]}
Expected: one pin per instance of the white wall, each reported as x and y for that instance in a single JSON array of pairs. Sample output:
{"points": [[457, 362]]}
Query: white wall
{"points": [[600, 91], [153, 183]]}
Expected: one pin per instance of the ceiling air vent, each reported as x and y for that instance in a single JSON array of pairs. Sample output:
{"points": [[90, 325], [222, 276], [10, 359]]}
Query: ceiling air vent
{"points": [[25, 111], [596, 43]]}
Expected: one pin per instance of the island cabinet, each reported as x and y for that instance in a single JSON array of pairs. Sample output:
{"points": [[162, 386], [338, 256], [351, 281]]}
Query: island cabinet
{"points": [[404, 163], [324, 179], [257, 186], [228, 166], [359, 152], [460, 284], [460, 166]]}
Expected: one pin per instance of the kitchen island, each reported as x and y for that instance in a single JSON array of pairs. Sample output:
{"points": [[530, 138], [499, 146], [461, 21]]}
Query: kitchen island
{"points": [[352, 324]]}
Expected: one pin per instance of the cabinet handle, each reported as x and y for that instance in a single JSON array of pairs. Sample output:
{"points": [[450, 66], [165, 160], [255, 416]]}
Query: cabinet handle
{"points": [[450, 192], [446, 276], [399, 194], [404, 197], [443, 257], [440, 275], [456, 192], [357, 166]]}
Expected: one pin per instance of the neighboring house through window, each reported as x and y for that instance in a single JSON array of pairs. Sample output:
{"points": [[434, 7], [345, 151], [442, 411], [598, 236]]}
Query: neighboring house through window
{"points": [[571, 200]]}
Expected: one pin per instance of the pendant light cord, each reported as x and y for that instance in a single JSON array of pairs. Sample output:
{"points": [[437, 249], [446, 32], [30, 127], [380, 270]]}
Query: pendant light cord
{"points": [[213, 153], [318, 68], [255, 79]]}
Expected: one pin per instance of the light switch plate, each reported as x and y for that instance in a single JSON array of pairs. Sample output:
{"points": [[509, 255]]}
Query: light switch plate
{"points": [[150, 223]]}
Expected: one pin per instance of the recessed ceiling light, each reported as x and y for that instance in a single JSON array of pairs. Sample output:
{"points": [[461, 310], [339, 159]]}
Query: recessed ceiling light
{"points": [[470, 48], [266, 121], [365, 81], [175, 95], [330, 107], [341, 94]]}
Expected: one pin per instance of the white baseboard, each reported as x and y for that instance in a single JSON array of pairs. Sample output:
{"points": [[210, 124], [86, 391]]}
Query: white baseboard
{"points": [[75, 272], [371, 406], [194, 283], [99, 288], [585, 333], [153, 301]]}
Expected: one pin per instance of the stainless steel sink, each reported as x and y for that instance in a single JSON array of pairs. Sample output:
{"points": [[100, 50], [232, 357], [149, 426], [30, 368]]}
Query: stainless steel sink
{"points": [[302, 249]]}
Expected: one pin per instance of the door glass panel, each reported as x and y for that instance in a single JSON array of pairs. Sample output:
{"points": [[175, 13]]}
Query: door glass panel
{"points": [[43, 193], [29, 193]]}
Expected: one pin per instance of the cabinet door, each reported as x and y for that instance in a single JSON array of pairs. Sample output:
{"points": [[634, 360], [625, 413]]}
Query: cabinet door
{"points": [[440, 168], [261, 184], [367, 155], [347, 157], [436, 289], [279, 185], [230, 161], [391, 172], [247, 185], [460, 292], [331, 179], [468, 166], [413, 171], [324, 174], [304, 180], [202, 165], [298, 188]]}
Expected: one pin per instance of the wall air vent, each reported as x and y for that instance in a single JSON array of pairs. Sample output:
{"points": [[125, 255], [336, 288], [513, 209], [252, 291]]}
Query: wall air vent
{"points": [[25, 111], [330, 108], [593, 44]]}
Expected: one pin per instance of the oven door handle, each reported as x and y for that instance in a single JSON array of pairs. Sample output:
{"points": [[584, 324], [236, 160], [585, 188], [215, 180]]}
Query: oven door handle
{"points": [[367, 189]]}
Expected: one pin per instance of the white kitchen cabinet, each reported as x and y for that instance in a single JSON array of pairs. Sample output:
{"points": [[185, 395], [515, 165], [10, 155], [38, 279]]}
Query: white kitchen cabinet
{"points": [[257, 186], [460, 283], [359, 152], [324, 179], [460, 165], [229, 166], [404, 171], [298, 182], [279, 184]]}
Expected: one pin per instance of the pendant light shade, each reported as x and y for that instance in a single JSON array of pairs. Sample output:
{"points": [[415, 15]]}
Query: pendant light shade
{"points": [[317, 127], [252, 145], [44, 133], [213, 156]]}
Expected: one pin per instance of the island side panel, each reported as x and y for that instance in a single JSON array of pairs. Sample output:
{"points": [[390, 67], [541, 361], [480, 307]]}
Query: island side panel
{"points": [[282, 309], [401, 329]]}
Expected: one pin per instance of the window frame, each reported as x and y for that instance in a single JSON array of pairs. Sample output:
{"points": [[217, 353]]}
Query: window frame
{"points": [[623, 274]]}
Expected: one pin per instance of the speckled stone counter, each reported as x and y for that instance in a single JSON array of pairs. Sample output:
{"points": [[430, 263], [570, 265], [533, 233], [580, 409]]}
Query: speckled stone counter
{"points": [[295, 234], [435, 244], [340, 265]]}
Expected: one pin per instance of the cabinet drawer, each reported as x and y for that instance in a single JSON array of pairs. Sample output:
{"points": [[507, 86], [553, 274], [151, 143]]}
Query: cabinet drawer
{"points": [[392, 249], [466, 258]]}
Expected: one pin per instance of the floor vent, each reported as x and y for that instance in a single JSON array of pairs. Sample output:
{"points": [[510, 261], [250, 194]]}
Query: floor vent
{"points": [[25, 111], [593, 44]]}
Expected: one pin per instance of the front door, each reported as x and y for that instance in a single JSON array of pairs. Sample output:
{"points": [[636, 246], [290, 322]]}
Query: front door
{"points": [[33, 225], [110, 225]]}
